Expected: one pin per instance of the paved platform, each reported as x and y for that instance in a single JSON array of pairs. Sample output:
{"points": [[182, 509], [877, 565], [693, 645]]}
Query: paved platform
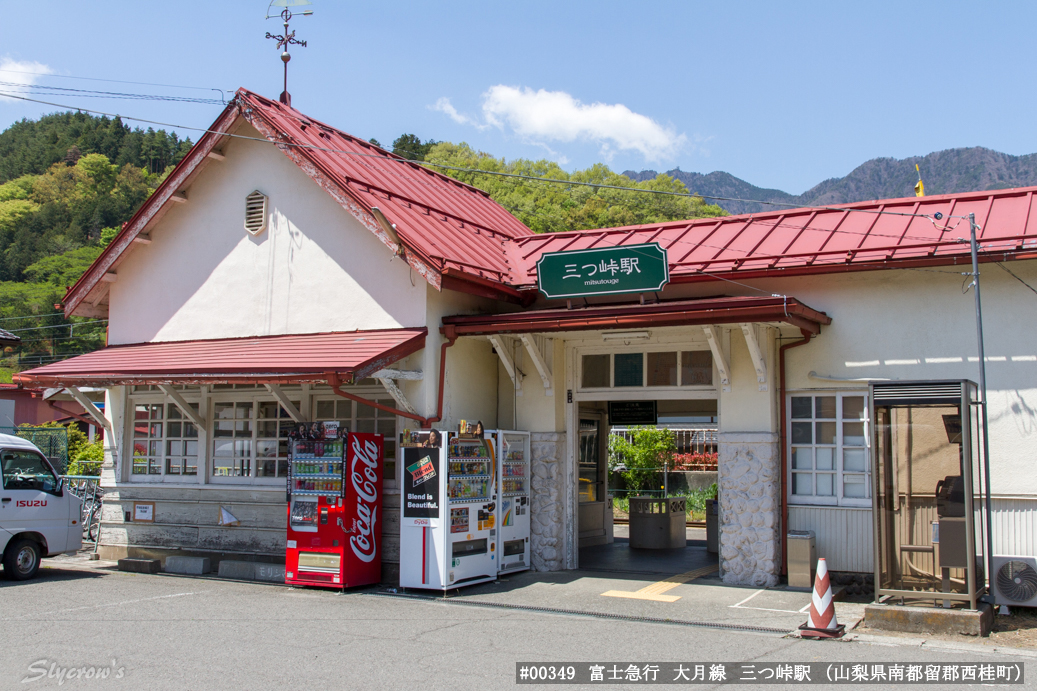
{"points": [[618, 556]]}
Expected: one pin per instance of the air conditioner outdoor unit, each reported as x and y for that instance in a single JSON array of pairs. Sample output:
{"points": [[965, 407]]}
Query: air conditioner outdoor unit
{"points": [[1015, 581]]}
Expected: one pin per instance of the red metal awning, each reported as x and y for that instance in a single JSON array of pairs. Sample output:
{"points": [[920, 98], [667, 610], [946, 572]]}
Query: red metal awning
{"points": [[722, 310], [260, 359]]}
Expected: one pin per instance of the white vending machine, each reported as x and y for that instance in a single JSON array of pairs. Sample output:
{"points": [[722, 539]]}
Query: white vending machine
{"points": [[515, 494], [448, 511]]}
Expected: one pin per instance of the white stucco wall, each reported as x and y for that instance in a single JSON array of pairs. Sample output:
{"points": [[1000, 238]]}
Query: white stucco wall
{"points": [[314, 269], [918, 325]]}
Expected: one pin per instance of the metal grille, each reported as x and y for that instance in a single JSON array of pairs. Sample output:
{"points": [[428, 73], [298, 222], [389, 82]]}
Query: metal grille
{"points": [[920, 392], [255, 212]]}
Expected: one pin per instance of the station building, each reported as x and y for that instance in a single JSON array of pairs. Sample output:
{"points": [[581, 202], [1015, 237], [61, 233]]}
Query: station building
{"points": [[286, 271]]}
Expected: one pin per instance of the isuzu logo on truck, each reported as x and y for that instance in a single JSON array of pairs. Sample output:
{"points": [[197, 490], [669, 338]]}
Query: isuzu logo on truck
{"points": [[30, 503], [364, 478]]}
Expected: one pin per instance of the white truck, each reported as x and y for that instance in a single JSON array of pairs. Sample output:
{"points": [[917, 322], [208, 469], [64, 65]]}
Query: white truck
{"points": [[39, 517]]}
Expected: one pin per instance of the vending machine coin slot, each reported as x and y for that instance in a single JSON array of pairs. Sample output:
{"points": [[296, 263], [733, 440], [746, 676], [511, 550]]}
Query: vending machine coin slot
{"points": [[323, 515]]}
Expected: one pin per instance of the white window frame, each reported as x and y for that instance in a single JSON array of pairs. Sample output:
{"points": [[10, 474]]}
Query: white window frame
{"points": [[254, 397], [838, 499], [644, 351], [160, 399], [382, 397], [305, 399]]}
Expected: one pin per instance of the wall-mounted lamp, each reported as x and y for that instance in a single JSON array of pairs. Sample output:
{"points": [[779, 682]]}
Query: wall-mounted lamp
{"points": [[389, 228]]}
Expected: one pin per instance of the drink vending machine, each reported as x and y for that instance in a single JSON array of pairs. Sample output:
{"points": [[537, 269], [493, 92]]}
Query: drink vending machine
{"points": [[454, 526], [334, 502], [515, 495]]}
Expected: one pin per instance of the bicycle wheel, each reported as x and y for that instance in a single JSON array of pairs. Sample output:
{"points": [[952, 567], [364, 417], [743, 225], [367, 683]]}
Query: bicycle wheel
{"points": [[93, 523]]}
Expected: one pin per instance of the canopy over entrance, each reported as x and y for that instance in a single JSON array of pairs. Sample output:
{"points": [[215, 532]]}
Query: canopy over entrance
{"points": [[262, 359], [721, 310]]}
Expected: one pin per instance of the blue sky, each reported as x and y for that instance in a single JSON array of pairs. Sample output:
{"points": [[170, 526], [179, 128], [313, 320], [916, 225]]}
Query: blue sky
{"points": [[783, 95]]}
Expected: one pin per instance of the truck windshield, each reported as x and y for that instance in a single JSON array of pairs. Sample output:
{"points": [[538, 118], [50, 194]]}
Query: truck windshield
{"points": [[27, 470]]}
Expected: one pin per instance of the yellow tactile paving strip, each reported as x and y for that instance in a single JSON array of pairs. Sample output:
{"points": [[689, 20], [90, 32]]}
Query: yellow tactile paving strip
{"points": [[655, 591]]}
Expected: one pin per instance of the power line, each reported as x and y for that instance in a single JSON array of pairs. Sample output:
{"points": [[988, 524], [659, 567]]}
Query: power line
{"points": [[41, 89], [1015, 277], [469, 170], [32, 316], [57, 326], [113, 81]]}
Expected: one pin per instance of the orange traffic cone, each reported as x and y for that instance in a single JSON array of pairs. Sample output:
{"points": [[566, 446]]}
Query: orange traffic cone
{"points": [[821, 621]]}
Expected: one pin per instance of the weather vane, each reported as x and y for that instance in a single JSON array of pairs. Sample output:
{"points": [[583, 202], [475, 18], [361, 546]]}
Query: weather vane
{"points": [[287, 39]]}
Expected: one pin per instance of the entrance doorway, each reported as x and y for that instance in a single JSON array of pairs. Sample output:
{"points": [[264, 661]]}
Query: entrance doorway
{"points": [[605, 488]]}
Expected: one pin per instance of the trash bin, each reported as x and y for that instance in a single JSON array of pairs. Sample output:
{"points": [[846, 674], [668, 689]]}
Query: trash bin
{"points": [[658, 523], [802, 554], [712, 526]]}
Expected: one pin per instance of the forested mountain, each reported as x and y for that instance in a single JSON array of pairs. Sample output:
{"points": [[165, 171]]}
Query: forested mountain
{"points": [[67, 182], [944, 172]]}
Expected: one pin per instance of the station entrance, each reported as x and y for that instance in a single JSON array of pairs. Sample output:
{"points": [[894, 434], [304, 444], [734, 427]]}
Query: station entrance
{"points": [[645, 456]]}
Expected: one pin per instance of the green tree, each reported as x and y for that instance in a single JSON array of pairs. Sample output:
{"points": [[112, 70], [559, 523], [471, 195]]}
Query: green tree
{"points": [[411, 147], [644, 455], [552, 206]]}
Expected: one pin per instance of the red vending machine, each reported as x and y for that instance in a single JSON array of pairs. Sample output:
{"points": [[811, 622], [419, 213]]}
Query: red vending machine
{"points": [[334, 502]]}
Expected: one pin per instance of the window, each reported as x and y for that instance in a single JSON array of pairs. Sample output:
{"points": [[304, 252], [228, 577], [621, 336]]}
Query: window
{"points": [[164, 441], [828, 449], [647, 369], [250, 439], [27, 470], [359, 417]]}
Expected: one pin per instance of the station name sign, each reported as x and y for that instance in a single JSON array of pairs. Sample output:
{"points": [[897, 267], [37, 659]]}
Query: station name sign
{"points": [[605, 271]]}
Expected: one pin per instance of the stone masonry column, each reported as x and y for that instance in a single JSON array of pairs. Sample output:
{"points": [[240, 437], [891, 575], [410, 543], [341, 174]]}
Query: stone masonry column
{"points": [[750, 508], [546, 516]]}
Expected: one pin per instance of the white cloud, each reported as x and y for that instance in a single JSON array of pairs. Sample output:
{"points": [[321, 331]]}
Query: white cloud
{"points": [[541, 116], [20, 73], [444, 105]]}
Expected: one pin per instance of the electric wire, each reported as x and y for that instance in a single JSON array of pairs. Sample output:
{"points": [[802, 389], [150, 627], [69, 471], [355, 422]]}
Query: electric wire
{"points": [[56, 326], [469, 170], [112, 81], [40, 89], [1016, 277]]}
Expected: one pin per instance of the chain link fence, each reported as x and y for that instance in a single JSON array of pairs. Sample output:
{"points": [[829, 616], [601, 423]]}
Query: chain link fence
{"points": [[52, 441]]}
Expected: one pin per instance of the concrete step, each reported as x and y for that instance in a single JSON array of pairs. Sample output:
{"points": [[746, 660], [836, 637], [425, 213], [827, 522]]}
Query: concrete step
{"points": [[252, 571], [190, 566], [140, 565]]}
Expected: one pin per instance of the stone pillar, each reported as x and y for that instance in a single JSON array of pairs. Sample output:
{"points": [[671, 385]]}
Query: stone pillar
{"points": [[750, 508], [546, 516]]}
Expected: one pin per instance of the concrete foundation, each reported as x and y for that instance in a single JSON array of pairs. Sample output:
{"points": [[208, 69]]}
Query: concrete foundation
{"points": [[932, 620], [189, 566]]}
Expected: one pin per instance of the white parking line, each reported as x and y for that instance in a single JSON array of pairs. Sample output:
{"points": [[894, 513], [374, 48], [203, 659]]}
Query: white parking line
{"points": [[740, 605], [109, 604]]}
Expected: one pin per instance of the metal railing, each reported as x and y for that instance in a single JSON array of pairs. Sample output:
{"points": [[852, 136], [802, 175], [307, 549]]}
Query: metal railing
{"points": [[689, 440]]}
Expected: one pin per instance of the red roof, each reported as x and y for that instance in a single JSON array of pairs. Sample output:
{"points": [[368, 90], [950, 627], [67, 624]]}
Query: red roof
{"points": [[819, 240], [457, 237], [451, 231], [269, 359], [719, 310]]}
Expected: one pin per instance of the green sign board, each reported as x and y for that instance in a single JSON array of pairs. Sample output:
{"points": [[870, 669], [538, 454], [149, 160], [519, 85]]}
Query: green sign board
{"points": [[605, 271]]}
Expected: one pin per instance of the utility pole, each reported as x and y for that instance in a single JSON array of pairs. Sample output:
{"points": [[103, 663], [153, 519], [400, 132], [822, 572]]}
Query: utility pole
{"points": [[983, 402]]}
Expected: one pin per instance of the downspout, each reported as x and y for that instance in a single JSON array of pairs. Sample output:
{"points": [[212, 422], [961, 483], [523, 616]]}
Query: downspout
{"points": [[335, 382], [784, 455]]}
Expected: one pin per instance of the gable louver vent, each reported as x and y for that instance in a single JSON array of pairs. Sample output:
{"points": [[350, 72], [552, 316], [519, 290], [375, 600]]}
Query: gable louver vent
{"points": [[255, 213]]}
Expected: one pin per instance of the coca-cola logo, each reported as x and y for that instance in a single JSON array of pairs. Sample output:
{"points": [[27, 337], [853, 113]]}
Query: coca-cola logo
{"points": [[363, 475]]}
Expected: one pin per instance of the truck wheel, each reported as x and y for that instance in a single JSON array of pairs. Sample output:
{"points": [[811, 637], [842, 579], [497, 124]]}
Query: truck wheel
{"points": [[22, 560]]}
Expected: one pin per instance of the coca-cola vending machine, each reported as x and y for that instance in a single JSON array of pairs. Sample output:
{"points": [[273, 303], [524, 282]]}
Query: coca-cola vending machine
{"points": [[334, 502]]}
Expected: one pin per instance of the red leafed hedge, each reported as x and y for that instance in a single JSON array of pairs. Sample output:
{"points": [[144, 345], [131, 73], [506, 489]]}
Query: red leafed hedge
{"points": [[694, 461]]}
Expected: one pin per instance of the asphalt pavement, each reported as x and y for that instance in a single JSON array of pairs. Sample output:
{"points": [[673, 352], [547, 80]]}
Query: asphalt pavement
{"points": [[121, 630]]}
